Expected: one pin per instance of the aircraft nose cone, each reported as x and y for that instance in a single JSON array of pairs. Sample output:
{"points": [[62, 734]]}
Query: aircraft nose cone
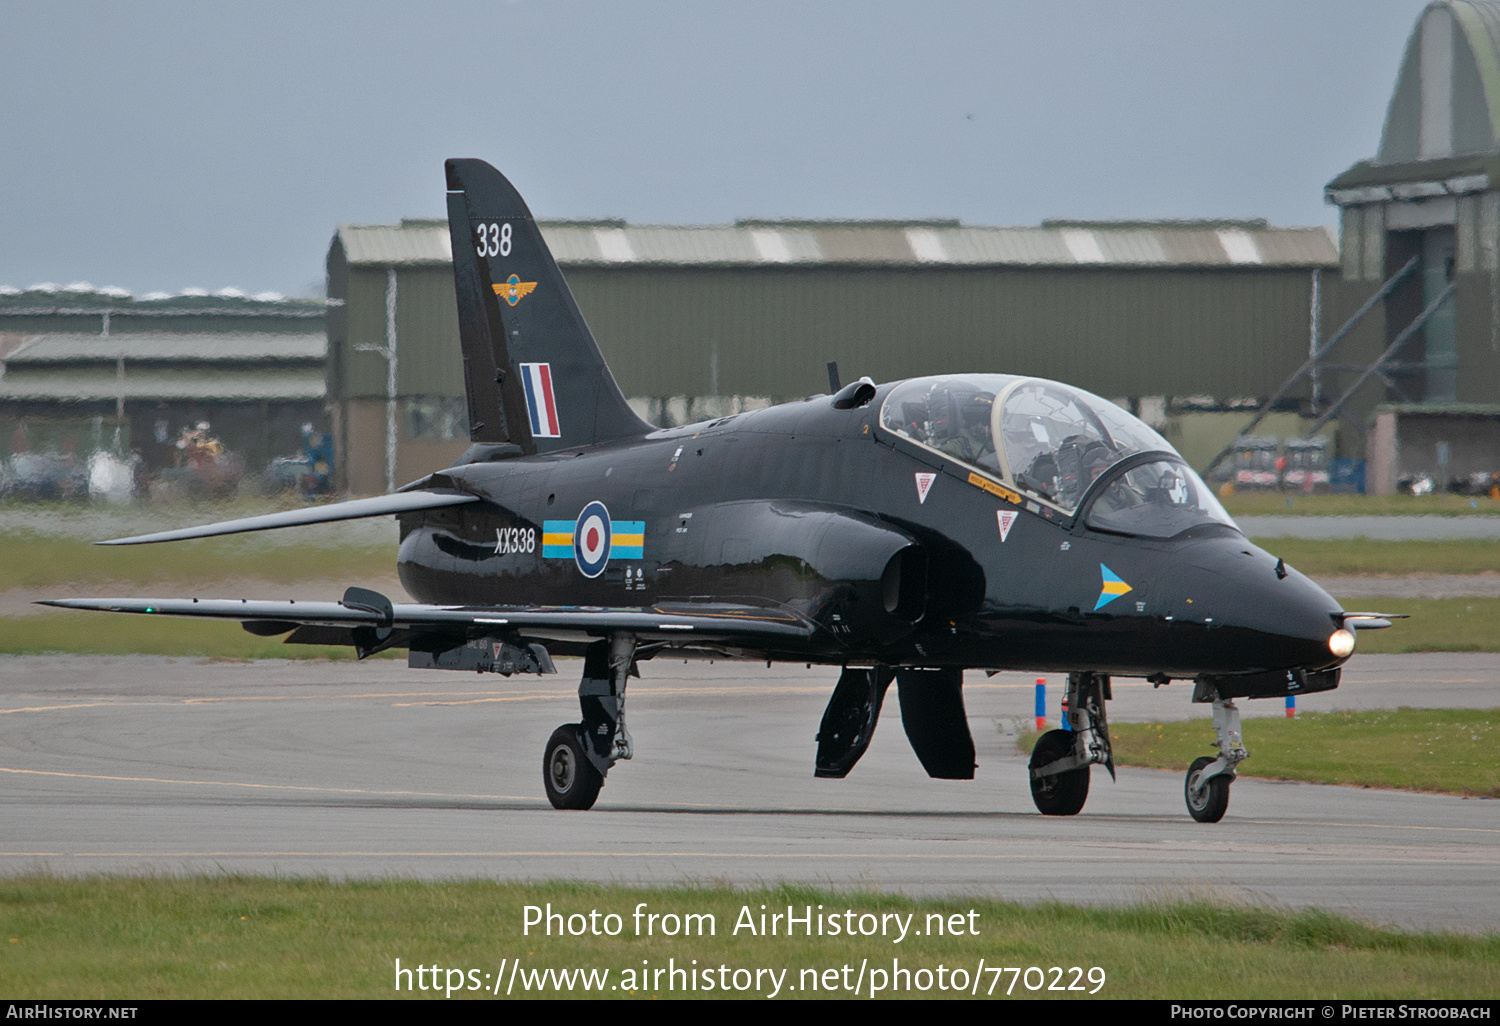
{"points": [[1261, 617]]}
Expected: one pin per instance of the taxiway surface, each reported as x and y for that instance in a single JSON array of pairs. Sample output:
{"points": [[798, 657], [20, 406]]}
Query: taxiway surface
{"points": [[342, 769]]}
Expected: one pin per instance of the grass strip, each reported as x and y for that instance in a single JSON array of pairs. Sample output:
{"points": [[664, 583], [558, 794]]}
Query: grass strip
{"points": [[1262, 504], [242, 937], [1323, 558], [33, 560], [1455, 751], [1436, 625]]}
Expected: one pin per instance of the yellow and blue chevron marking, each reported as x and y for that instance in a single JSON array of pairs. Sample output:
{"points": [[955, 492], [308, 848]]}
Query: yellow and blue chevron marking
{"points": [[1112, 588]]}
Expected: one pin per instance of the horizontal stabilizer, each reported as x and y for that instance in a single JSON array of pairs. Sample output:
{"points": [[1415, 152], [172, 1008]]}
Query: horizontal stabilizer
{"points": [[714, 622], [381, 505]]}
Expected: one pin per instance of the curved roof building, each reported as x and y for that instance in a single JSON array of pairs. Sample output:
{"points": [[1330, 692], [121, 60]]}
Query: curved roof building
{"points": [[1420, 230]]}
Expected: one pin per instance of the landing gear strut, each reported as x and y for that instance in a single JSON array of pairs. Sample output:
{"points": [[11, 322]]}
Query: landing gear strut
{"points": [[578, 755], [1207, 785], [1061, 759]]}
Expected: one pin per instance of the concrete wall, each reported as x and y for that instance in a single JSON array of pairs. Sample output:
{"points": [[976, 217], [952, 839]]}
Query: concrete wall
{"points": [[1473, 445], [1380, 458], [1405, 444]]}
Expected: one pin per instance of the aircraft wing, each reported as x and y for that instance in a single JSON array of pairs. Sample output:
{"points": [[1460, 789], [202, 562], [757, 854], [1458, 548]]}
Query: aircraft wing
{"points": [[727, 623]]}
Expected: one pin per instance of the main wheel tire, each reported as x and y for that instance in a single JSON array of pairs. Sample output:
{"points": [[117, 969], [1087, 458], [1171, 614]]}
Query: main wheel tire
{"points": [[1212, 800], [1061, 794], [571, 780]]}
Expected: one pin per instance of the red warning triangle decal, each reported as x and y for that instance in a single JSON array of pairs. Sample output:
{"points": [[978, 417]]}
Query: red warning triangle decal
{"points": [[1007, 517], [924, 485]]}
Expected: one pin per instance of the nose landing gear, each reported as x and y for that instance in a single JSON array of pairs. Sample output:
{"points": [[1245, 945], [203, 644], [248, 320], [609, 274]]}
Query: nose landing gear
{"points": [[1207, 785]]}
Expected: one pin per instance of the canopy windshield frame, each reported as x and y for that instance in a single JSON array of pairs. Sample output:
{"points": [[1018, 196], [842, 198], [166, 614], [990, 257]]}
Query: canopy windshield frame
{"points": [[1214, 517], [1100, 432]]}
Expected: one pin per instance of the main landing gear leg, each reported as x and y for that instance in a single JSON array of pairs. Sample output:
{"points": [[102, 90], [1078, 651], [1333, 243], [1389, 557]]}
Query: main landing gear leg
{"points": [[578, 755], [1207, 786], [1061, 759]]}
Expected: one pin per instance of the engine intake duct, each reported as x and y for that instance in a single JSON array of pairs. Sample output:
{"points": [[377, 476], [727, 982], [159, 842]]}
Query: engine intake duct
{"points": [[903, 584]]}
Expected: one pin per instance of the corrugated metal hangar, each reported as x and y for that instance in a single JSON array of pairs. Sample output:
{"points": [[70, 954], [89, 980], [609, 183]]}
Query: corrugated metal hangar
{"points": [[1420, 222], [695, 320], [77, 363]]}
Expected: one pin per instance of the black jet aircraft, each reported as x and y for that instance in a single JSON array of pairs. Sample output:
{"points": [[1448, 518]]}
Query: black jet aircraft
{"points": [[906, 531]]}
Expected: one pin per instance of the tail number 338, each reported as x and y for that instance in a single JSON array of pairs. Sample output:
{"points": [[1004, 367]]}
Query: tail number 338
{"points": [[494, 239]]}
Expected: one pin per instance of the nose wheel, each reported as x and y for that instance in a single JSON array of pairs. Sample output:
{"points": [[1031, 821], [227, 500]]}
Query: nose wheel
{"points": [[1207, 785], [571, 780], [1211, 800]]}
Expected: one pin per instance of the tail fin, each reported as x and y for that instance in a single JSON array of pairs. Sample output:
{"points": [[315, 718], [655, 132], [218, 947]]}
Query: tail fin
{"points": [[533, 373]]}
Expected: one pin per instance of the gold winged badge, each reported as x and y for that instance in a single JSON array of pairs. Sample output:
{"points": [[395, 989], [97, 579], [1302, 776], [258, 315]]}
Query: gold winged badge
{"points": [[513, 289]]}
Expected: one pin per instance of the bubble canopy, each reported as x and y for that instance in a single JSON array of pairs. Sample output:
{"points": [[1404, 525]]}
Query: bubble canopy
{"points": [[1050, 440]]}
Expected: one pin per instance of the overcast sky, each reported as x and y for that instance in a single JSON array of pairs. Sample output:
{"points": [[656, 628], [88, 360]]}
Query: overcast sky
{"points": [[158, 146]]}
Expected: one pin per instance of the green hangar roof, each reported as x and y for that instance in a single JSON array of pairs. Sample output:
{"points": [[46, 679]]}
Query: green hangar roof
{"points": [[215, 348], [1447, 97], [758, 308], [1442, 127], [1198, 244]]}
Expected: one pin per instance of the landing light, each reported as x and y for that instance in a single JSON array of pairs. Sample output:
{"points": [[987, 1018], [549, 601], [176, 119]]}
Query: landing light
{"points": [[1341, 642]]}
